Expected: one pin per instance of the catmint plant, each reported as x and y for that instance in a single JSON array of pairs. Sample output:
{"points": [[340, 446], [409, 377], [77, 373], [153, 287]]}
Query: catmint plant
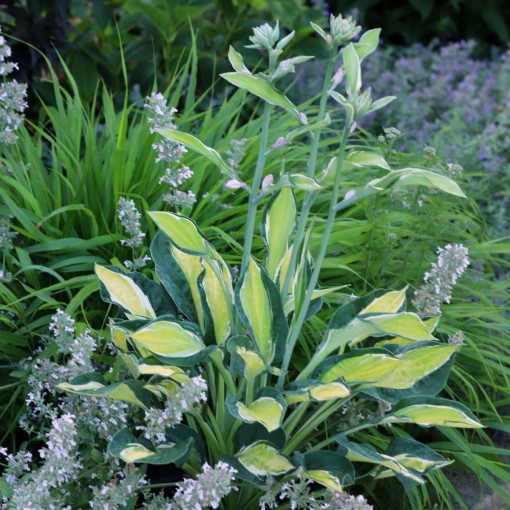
{"points": [[211, 353], [61, 463], [170, 152], [452, 261], [12, 97], [129, 217]]}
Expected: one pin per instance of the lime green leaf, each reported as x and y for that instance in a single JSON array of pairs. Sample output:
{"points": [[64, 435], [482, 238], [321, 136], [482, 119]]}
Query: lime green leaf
{"points": [[361, 366], [315, 391], [352, 70], [182, 231], [329, 391], [381, 103], [417, 363], [236, 60], [292, 135], [277, 225], [261, 88], [151, 366], [193, 143], [168, 339], [93, 384], [429, 412], [262, 459], [265, 410], [256, 306], [356, 452], [218, 299], [304, 182], [403, 324], [391, 302], [330, 469], [259, 304], [416, 177], [367, 43], [125, 292], [252, 363], [415, 456], [132, 450]]}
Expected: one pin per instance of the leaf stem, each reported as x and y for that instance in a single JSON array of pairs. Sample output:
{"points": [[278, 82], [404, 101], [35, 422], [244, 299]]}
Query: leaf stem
{"points": [[296, 329], [257, 178], [309, 197], [320, 415]]}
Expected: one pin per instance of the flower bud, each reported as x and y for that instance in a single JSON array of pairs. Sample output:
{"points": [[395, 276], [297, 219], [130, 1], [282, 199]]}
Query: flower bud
{"points": [[342, 30]]}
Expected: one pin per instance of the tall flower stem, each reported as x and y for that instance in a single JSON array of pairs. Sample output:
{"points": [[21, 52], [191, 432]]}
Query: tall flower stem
{"points": [[298, 323], [257, 178], [309, 197]]}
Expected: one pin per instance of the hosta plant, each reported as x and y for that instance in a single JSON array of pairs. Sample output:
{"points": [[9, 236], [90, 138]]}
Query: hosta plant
{"points": [[213, 350]]}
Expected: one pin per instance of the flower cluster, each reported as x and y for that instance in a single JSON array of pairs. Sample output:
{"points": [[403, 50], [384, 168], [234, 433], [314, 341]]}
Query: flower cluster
{"points": [[188, 396], [207, 490], [63, 329], [6, 234], [457, 338], [299, 495], [129, 217], [235, 153], [79, 348], [390, 135], [439, 281], [12, 98], [117, 493], [171, 153], [342, 501], [61, 464]]}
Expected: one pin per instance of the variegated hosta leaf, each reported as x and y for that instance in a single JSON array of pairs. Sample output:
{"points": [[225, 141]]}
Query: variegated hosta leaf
{"points": [[367, 43], [260, 307], [404, 324], [266, 410], [418, 177], [361, 366], [261, 88], [124, 292], [379, 368], [328, 468], [168, 340], [417, 363], [353, 160], [122, 331], [277, 224], [218, 299], [352, 70], [196, 145], [140, 451], [151, 366], [262, 459], [245, 361], [430, 412], [192, 269], [391, 302], [315, 391], [200, 285], [431, 325], [413, 455], [356, 452], [182, 231], [94, 384], [281, 270]]}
